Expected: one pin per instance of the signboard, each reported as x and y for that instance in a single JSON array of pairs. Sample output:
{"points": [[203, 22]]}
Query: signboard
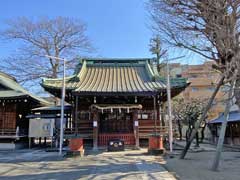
{"points": [[58, 122], [136, 123], [94, 123], [41, 127]]}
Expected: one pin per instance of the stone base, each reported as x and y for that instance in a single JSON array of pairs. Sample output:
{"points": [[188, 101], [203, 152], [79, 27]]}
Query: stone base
{"points": [[7, 146], [12, 145], [155, 151], [136, 148], [95, 149], [75, 153]]}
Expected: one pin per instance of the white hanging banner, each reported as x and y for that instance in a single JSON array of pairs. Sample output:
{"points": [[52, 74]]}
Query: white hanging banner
{"points": [[136, 123], [94, 123]]}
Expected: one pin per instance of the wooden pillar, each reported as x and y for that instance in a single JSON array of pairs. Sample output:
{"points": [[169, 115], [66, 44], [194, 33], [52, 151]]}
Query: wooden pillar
{"points": [[161, 110], [76, 116], [51, 141], [45, 141], [29, 142], [40, 141], [95, 129], [230, 125], [136, 128], [159, 115], [155, 114]]}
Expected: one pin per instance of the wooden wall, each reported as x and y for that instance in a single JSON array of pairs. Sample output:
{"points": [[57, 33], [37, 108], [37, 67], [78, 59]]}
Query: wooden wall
{"points": [[145, 116], [232, 135], [8, 116]]}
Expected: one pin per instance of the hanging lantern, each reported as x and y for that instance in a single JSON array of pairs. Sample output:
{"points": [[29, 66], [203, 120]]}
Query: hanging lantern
{"points": [[135, 99]]}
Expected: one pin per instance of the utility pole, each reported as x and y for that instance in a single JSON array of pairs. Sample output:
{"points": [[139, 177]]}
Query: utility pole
{"points": [[155, 48], [62, 102], [169, 103], [169, 108], [62, 109]]}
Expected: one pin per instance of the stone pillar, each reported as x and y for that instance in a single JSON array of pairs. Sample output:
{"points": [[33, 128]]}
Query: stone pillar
{"points": [[95, 129], [136, 128]]}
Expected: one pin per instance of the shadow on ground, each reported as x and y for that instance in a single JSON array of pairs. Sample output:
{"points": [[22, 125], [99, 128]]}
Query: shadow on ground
{"points": [[112, 170]]}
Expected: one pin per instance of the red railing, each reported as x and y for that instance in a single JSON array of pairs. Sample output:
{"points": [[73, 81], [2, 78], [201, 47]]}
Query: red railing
{"points": [[128, 139]]}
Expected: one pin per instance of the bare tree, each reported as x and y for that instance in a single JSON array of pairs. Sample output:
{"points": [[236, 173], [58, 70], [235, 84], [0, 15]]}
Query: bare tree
{"points": [[187, 113], [156, 48], [209, 28], [59, 37]]}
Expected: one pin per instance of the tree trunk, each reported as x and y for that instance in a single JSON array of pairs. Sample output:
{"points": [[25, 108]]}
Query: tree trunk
{"points": [[188, 134], [202, 133], [223, 130], [237, 92], [179, 129], [197, 125], [197, 140], [55, 71]]}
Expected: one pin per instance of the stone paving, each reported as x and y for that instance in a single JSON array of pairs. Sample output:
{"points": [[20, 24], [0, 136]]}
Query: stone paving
{"points": [[37, 164]]}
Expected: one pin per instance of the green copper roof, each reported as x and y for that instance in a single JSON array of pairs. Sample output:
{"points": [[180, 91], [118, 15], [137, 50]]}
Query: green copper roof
{"points": [[113, 76], [11, 89]]}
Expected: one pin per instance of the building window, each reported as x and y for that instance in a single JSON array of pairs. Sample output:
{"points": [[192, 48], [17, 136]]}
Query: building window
{"points": [[139, 116], [83, 115], [211, 88], [194, 89], [193, 76], [225, 88], [144, 116], [214, 103]]}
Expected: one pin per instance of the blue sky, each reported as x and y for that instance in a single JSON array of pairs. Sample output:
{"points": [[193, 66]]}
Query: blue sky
{"points": [[117, 28]]}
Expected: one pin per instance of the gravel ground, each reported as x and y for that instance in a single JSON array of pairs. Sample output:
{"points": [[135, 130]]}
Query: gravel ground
{"points": [[197, 165]]}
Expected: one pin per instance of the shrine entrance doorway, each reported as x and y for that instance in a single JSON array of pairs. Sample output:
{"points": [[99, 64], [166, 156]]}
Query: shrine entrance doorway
{"points": [[116, 125]]}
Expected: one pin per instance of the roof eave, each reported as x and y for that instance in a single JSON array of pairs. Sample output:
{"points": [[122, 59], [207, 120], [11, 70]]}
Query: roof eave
{"points": [[96, 93]]}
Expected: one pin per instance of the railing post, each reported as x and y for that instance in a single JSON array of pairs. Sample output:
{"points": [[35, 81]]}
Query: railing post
{"points": [[17, 131]]}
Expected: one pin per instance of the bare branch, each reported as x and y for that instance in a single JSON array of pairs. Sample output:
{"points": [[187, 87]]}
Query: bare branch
{"points": [[60, 36]]}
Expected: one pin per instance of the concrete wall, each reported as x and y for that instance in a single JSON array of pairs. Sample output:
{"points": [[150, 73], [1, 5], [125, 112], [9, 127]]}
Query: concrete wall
{"points": [[7, 146]]}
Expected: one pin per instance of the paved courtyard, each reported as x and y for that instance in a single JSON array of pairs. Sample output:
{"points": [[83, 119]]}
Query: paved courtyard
{"points": [[37, 164]]}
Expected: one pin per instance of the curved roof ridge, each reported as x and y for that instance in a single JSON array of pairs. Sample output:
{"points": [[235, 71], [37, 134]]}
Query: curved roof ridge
{"points": [[117, 59], [17, 89], [58, 79], [8, 76], [103, 76]]}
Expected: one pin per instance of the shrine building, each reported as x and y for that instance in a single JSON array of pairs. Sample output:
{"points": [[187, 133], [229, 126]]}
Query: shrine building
{"points": [[15, 104], [115, 99]]}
